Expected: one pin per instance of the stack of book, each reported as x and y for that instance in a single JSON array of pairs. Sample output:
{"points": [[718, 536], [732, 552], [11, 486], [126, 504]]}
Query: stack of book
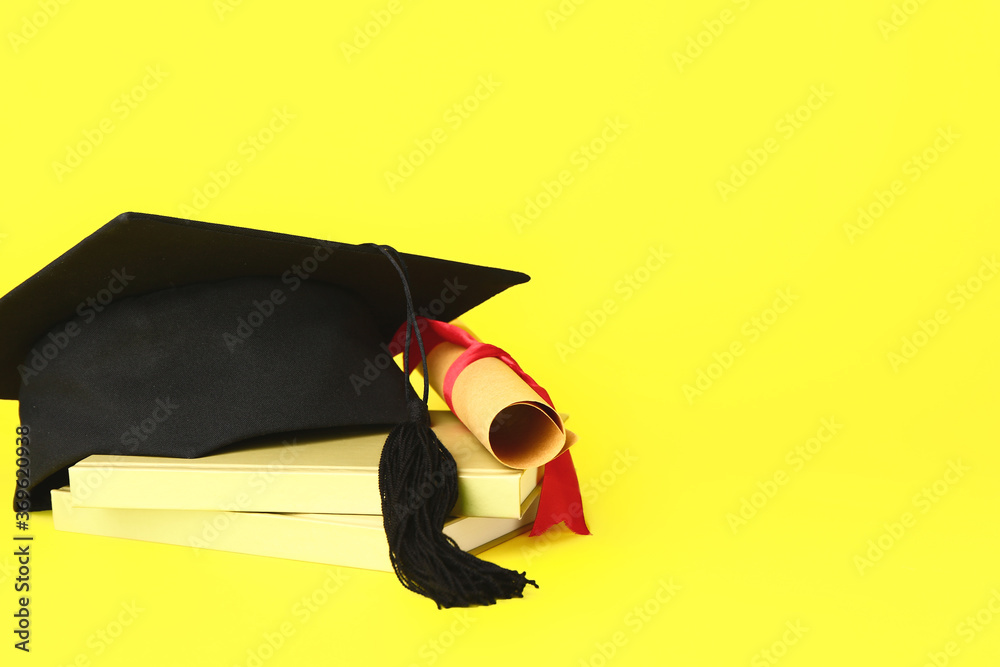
{"points": [[313, 498]]}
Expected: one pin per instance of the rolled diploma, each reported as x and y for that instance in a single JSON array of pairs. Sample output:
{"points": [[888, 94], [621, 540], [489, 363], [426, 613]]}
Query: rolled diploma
{"points": [[509, 417]]}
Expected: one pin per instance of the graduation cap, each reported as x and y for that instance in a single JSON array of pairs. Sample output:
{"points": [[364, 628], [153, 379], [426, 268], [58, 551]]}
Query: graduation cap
{"points": [[160, 336]]}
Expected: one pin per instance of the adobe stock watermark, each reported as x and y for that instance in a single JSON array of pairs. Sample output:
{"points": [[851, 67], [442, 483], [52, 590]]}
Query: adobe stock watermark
{"points": [[121, 108], [139, 433], [262, 310], [624, 289], [591, 491], [272, 641], [32, 23], [958, 298], [213, 527], [913, 169], [224, 7], [923, 501], [713, 29], [796, 459], [102, 639], [454, 117], [752, 330], [564, 10], [432, 650], [595, 487], [794, 632], [967, 630], [787, 126], [87, 311], [136, 434], [248, 150], [372, 369], [899, 16], [581, 158], [427, 489], [365, 33], [634, 621]]}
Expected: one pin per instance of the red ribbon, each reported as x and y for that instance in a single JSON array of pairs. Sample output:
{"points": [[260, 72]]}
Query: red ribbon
{"points": [[560, 501]]}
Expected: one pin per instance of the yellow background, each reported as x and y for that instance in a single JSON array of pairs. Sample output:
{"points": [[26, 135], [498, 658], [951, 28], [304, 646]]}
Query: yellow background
{"points": [[661, 513]]}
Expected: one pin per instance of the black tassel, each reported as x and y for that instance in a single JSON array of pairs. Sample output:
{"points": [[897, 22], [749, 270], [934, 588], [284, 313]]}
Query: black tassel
{"points": [[418, 482]]}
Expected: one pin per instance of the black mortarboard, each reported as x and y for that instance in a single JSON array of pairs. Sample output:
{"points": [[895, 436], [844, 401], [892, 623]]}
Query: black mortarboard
{"points": [[169, 337]]}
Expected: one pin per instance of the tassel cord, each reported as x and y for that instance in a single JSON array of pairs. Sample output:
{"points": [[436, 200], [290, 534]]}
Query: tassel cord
{"points": [[418, 484]]}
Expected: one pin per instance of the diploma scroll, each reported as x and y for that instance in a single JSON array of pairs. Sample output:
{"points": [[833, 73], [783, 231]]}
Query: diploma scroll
{"points": [[508, 412], [512, 421]]}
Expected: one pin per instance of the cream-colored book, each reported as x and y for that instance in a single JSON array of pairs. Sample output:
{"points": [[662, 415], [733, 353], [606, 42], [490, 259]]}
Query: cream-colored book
{"points": [[312, 475], [346, 540]]}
